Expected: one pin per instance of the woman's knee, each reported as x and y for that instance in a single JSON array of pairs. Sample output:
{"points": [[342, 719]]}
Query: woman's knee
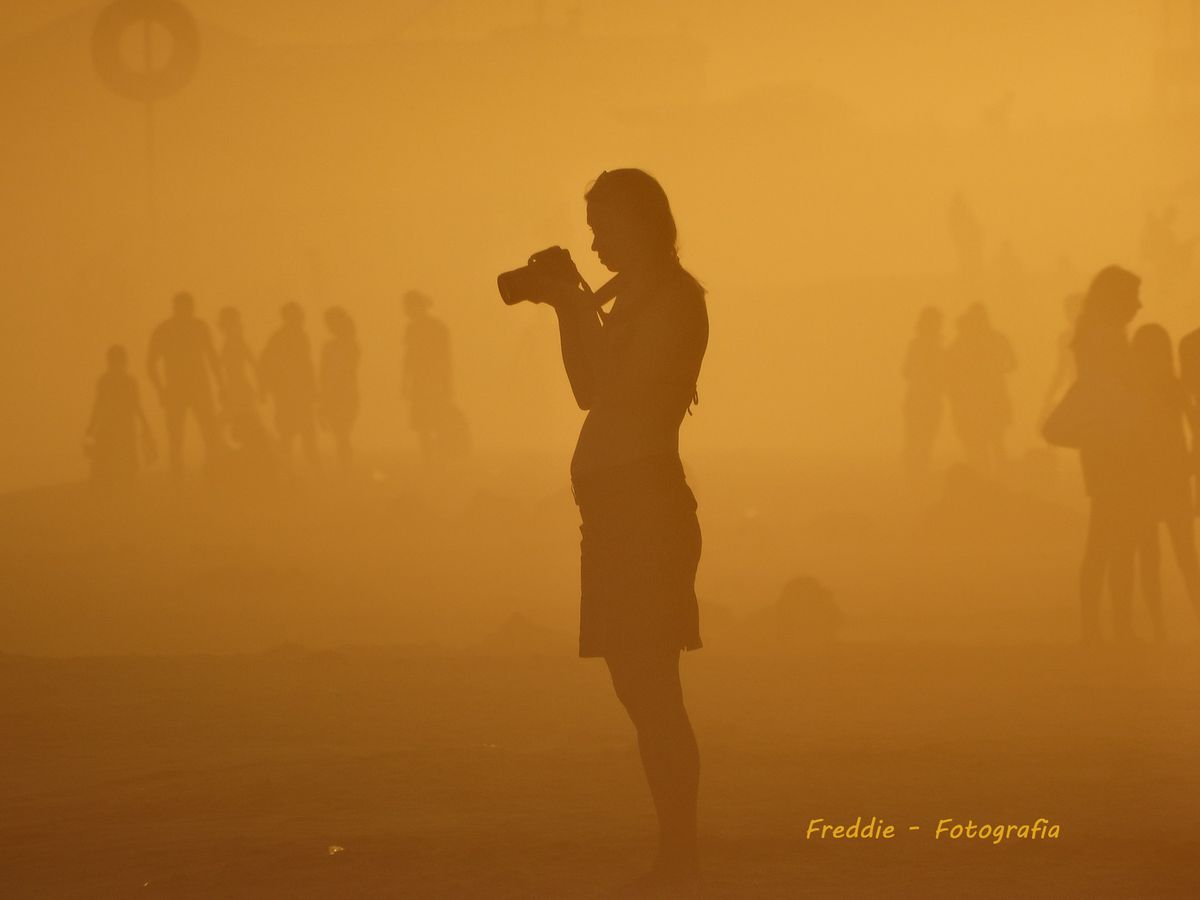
{"points": [[648, 687]]}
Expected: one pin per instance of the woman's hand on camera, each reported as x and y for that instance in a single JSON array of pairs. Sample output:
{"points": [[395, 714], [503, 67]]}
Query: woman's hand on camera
{"points": [[564, 295]]}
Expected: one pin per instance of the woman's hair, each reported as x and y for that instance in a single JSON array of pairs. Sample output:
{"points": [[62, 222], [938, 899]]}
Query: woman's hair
{"points": [[640, 197], [1108, 300], [1109, 293]]}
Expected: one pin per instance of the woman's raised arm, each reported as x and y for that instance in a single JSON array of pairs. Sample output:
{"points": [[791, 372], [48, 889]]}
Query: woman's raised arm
{"points": [[579, 331]]}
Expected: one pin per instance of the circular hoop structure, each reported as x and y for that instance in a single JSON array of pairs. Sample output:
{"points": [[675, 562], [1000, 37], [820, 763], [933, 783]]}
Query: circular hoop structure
{"points": [[153, 84]]}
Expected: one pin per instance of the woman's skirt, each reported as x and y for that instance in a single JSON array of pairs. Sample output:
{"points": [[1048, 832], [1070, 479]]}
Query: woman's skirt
{"points": [[639, 549]]}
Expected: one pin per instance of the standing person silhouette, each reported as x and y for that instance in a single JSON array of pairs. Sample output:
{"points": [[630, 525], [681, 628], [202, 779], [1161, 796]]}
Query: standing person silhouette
{"points": [[1064, 360], [1168, 471], [287, 375], [634, 370], [239, 399], [925, 376], [978, 363], [253, 457], [338, 401], [182, 348], [115, 424], [1113, 470], [427, 383]]}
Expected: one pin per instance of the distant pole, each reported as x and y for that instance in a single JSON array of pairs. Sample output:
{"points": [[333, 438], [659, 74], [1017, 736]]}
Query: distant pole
{"points": [[148, 62], [148, 84]]}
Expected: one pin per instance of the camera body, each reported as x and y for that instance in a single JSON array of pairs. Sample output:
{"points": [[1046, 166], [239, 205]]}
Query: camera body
{"points": [[545, 275]]}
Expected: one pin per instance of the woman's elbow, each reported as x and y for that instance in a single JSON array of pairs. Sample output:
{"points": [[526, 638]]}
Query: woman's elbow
{"points": [[583, 396]]}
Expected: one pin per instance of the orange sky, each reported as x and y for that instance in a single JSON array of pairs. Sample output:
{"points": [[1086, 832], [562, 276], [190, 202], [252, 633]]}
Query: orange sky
{"points": [[810, 152]]}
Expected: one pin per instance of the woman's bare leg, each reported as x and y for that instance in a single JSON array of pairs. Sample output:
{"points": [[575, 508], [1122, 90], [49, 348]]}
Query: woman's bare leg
{"points": [[648, 686]]}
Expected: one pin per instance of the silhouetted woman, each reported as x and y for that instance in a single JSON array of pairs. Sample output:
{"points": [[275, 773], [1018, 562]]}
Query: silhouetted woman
{"points": [[1168, 470], [1112, 468], [116, 423], [925, 374], [338, 390], [634, 369]]}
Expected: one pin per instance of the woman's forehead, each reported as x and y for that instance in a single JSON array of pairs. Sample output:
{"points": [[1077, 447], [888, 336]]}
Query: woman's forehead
{"points": [[602, 212]]}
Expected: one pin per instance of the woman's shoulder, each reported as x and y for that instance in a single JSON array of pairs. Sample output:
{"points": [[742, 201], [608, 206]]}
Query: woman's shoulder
{"points": [[684, 294], [686, 285]]}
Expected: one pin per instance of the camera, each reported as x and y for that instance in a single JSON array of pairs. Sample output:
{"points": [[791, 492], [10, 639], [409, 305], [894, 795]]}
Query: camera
{"points": [[544, 276]]}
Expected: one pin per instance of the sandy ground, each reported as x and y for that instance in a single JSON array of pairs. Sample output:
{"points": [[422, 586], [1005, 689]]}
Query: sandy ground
{"points": [[452, 775], [199, 698]]}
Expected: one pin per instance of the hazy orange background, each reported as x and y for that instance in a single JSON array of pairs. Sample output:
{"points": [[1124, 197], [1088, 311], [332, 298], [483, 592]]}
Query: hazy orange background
{"points": [[343, 155], [203, 691]]}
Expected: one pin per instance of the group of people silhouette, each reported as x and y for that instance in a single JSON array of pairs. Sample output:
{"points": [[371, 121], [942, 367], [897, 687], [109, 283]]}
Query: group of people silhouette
{"points": [[1119, 400], [1129, 412], [634, 369], [223, 389], [971, 375]]}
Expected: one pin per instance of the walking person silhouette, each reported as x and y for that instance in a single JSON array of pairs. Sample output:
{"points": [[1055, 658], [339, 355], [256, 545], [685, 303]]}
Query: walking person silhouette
{"points": [[179, 361], [253, 458], [427, 383], [1110, 408], [634, 370], [239, 399], [1064, 360], [338, 390], [287, 375], [1168, 467], [116, 422], [924, 373], [978, 363]]}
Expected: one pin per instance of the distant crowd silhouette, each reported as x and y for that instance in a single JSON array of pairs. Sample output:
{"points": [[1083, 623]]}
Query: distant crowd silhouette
{"points": [[634, 368], [1118, 400], [224, 390], [1129, 413], [970, 374]]}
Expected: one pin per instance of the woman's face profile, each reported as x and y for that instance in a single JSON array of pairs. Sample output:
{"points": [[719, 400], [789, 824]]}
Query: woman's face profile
{"points": [[613, 240]]}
